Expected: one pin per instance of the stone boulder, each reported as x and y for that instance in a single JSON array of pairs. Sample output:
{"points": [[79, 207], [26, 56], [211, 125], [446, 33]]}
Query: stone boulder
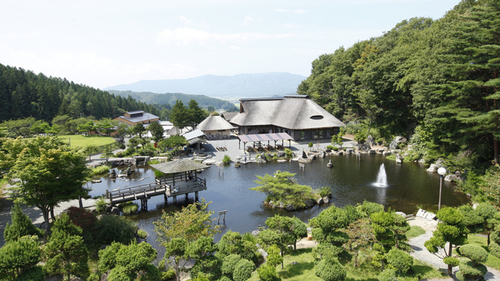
{"points": [[386, 153], [399, 159], [349, 151], [433, 168], [396, 141], [115, 211], [320, 201], [370, 141], [310, 203], [326, 200], [281, 154], [457, 176], [364, 147], [372, 151], [290, 207]]}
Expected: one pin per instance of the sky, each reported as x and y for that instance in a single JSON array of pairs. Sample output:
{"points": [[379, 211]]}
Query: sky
{"points": [[106, 43]]}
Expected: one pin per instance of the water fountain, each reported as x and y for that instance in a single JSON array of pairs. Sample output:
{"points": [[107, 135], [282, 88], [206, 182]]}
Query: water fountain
{"points": [[381, 177]]}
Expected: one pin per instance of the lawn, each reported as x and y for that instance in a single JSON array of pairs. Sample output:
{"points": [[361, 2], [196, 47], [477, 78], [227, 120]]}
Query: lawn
{"points": [[414, 231], [303, 269], [83, 141]]}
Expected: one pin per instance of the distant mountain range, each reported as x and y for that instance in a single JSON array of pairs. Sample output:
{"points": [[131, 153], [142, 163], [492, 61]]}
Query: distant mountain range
{"points": [[225, 87]]}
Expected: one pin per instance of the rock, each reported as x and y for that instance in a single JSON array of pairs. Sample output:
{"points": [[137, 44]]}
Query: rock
{"points": [[290, 207], [440, 162], [310, 203], [281, 154], [326, 200], [399, 159], [349, 151], [386, 153], [319, 201], [282, 205], [364, 147], [433, 168], [372, 151], [304, 154], [209, 162], [255, 232], [421, 161], [115, 210], [370, 141], [263, 252], [322, 154], [420, 213], [401, 214], [396, 141], [341, 153], [453, 177]]}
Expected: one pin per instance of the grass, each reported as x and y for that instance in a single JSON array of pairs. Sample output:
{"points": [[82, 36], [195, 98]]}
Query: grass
{"points": [[492, 261], [303, 269], [101, 170], [414, 231], [83, 141]]}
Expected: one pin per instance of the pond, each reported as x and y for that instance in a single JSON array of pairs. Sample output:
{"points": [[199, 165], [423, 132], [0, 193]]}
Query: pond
{"points": [[410, 187]]}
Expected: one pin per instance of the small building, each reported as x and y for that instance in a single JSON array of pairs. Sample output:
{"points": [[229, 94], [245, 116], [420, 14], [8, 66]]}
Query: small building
{"points": [[133, 118], [296, 115], [215, 127]]}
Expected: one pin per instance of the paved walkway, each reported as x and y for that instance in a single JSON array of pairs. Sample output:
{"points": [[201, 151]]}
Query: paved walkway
{"points": [[421, 253]]}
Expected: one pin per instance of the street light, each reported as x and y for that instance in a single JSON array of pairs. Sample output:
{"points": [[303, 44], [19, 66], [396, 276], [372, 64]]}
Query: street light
{"points": [[441, 172]]}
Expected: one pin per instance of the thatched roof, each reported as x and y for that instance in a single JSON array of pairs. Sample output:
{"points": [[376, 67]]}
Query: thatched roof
{"points": [[214, 123], [179, 166], [291, 112]]}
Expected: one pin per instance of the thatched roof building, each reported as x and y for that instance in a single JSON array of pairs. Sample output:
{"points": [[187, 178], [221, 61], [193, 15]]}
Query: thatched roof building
{"points": [[215, 127], [299, 116]]}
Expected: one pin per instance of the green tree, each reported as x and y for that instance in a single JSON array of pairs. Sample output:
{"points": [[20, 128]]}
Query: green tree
{"points": [[196, 114], [66, 252], [400, 260], [450, 230], [19, 255], [329, 269], [40, 127], [49, 172], [156, 131], [179, 116], [473, 269], [243, 270], [176, 230], [206, 263], [21, 225], [233, 243], [360, 234], [282, 187], [138, 129]]}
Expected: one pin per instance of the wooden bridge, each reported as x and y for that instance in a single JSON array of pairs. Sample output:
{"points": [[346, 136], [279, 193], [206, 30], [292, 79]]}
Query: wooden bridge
{"points": [[168, 187]]}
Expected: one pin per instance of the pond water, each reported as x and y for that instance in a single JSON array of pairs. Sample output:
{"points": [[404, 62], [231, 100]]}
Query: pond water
{"points": [[408, 187]]}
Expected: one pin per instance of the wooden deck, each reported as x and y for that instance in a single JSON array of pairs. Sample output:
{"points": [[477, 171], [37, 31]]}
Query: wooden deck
{"points": [[171, 187]]}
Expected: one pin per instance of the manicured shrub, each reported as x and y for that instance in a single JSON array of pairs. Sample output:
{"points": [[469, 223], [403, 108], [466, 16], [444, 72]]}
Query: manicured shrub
{"points": [[100, 170], [142, 233], [243, 270], [229, 263], [119, 273], [267, 272], [369, 208], [400, 260], [129, 208], [111, 228], [288, 153], [469, 271], [20, 226], [330, 270], [325, 191], [388, 274], [226, 160], [494, 249], [475, 253]]}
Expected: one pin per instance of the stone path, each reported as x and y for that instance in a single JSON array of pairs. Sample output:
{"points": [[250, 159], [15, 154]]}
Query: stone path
{"points": [[421, 253]]}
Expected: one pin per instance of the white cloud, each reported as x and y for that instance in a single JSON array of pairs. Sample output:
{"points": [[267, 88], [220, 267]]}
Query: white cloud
{"points": [[297, 12], [185, 20], [236, 48], [289, 25], [249, 19], [187, 36]]}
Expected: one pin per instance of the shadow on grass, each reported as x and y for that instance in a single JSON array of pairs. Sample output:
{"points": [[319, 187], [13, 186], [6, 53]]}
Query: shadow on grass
{"points": [[293, 270]]}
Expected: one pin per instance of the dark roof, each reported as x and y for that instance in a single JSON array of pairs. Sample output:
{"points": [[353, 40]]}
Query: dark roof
{"points": [[141, 118], [291, 112], [179, 166], [265, 137]]}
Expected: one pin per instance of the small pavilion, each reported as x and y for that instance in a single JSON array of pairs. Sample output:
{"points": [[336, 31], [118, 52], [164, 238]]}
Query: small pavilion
{"points": [[258, 138]]}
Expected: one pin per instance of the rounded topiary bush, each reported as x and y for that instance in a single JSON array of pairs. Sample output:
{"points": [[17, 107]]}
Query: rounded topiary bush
{"points": [[129, 208], [111, 228], [494, 249], [168, 275], [469, 271], [330, 270], [243, 270], [35, 273], [229, 263], [401, 260], [475, 253], [267, 272]]}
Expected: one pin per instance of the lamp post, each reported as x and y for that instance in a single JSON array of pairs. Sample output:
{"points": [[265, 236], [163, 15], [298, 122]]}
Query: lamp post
{"points": [[441, 172]]}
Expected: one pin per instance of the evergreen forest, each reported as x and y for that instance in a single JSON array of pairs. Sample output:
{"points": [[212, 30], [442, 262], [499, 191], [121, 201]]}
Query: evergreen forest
{"points": [[26, 94], [435, 81]]}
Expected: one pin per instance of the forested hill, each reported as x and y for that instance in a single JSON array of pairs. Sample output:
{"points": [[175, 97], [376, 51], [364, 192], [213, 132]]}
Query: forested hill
{"points": [[171, 98], [26, 94], [436, 80]]}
